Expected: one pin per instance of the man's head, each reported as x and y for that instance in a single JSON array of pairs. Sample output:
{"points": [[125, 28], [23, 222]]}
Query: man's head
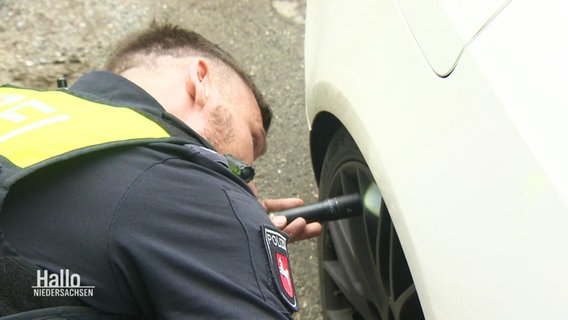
{"points": [[199, 83]]}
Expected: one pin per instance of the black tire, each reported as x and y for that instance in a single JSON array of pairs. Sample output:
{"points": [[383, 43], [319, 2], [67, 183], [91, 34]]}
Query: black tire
{"points": [[363, 270]]}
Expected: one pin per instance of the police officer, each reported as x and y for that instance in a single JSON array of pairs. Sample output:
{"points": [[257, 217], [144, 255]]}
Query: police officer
{"points": [[158, 229]]}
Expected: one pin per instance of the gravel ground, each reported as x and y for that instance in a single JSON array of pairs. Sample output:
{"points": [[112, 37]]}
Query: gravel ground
{"points": [[42, 40]]}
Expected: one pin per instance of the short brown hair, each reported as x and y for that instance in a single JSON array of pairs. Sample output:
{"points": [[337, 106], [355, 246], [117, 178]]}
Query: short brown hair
{"points": [[167, 39]]}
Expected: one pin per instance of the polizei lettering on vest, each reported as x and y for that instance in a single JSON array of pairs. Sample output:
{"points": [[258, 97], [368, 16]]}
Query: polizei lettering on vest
{"points": [[15, 108], [277, 241]]}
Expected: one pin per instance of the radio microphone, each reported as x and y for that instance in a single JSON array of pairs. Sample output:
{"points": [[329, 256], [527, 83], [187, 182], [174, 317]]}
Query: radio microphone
{"points": [[341, 207]]}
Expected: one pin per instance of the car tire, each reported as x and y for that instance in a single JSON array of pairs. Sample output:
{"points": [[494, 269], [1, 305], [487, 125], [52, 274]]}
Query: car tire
{"points": [[362, 268]]}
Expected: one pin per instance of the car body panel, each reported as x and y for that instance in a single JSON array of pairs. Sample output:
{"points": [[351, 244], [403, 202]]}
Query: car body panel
{"points": [[443, 28], [474, 166]]}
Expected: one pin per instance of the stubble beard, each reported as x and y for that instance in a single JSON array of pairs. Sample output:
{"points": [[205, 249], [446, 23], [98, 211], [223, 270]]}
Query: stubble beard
{"points": [[219, 129]]}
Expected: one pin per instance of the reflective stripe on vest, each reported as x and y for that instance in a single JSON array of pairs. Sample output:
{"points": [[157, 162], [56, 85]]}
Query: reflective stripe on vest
{"points": [[39, 125]]}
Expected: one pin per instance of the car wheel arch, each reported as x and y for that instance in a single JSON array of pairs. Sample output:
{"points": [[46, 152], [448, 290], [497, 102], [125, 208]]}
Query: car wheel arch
{"points": [[322, 130]]}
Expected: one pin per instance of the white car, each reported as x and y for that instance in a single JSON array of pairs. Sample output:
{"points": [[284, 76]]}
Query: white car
{"points": [[457, 111]]}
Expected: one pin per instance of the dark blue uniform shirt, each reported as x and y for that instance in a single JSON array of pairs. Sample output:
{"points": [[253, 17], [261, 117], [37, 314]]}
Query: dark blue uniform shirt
{"points": [[161, 231]]}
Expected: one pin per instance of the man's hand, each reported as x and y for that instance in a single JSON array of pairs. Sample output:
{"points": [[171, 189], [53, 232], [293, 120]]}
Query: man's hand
{"points": [[297, 229]]}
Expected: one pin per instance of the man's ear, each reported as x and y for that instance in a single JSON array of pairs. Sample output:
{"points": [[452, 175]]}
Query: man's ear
{"points": [[197, 83]]}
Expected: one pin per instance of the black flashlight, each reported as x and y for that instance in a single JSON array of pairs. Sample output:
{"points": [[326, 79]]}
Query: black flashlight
{"points": [[341, 207]]}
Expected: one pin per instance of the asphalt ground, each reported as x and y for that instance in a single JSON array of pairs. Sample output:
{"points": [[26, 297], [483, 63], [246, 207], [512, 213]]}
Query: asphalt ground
{"points": [[42, 40]]}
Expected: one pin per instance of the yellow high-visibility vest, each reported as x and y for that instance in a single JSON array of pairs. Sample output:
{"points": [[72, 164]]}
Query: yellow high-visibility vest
{"points": [[39, 127]]}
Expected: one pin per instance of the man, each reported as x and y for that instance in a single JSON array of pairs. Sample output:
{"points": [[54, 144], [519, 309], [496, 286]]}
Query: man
{"points": [[164, 230]]}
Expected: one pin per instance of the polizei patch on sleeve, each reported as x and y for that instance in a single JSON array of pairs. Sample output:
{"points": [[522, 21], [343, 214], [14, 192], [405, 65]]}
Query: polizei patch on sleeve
{"points": [[275, 243]]}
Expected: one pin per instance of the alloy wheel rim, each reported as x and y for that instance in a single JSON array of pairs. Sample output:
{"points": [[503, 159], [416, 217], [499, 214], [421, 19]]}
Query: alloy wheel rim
{"points": [[363, 264]]}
